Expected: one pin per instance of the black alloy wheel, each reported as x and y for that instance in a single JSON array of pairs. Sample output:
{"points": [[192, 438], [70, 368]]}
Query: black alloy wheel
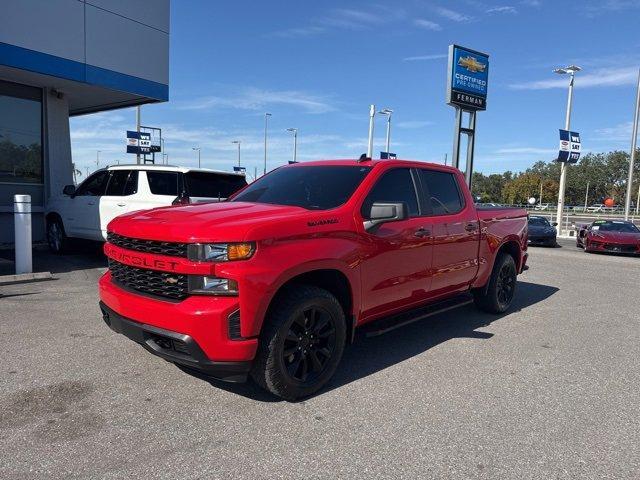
{"points": [[309, 344]]}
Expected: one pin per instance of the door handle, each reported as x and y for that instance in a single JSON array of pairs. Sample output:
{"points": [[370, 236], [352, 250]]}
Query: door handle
{"points": [[471, 227], [122, 204], [422, 232], [90, 203]]}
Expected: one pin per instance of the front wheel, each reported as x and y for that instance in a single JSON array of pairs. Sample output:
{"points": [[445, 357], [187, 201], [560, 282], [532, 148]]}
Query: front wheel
{"points": [[499, 293], [301, 343]]}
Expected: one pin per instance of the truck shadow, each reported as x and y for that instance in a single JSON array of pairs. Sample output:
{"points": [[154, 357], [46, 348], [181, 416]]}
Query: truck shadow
{"points": [[368, 356]]}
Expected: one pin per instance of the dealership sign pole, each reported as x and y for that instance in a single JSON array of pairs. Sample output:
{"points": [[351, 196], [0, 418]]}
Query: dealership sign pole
{"points": [[467, 82]]}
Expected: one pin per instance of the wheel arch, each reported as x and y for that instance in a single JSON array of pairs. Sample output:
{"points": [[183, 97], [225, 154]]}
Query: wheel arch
{"points": [[333, 280]]}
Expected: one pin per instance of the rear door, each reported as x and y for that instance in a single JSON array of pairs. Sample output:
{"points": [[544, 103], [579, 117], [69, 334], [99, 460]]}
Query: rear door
{"points": [[117, 200], [397, 255], [455, 231]]}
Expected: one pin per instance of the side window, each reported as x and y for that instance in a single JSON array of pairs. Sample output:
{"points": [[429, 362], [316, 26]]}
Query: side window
{"points": [[163, 183], [122, 183], [394, 186], [443, 191], [95, 185], [131, 185]]}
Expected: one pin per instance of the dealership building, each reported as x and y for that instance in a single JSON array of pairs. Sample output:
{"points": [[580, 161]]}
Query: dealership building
{"points": [[60, 58]]}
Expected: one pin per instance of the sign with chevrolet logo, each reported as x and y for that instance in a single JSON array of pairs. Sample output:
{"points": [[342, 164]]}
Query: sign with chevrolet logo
{"points": [[569, 148], [468, 75]]}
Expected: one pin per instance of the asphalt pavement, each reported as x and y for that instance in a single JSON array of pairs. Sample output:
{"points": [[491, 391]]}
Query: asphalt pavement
{"points": [[549, 390]]}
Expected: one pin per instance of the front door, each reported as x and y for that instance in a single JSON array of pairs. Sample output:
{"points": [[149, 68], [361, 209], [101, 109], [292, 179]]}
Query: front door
{"points": [[395, 267], [82, 217]]}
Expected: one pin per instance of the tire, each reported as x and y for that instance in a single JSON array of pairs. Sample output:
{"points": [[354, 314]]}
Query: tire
{"points": [[301, 343], [501, 289], [56, 236]]}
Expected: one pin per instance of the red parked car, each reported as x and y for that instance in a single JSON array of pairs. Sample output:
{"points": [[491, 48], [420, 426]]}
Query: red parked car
{"points": [[275, 282], [613, 236]]}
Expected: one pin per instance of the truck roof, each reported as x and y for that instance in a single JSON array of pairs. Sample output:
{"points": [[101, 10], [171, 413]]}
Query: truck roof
{"points": [[374, 162], [168, 168]]}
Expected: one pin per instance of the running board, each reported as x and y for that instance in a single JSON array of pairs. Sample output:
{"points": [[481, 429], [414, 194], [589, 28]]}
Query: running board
{"points": [[384, 325]]}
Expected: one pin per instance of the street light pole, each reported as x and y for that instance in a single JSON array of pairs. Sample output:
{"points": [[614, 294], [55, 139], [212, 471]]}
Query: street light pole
{"points": [[198, 150], [634, 139], [295, 143], [372, 113], [387, 112], [266, 117], [237, 142], [98, 159], [571, 71], [138, 130]]}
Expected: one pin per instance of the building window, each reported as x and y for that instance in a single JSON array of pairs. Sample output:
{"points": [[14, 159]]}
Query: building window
{"points": [[20, 134]]}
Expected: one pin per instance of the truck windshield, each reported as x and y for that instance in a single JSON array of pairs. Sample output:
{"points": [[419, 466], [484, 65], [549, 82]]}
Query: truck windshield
{"points": [[319, 187]]}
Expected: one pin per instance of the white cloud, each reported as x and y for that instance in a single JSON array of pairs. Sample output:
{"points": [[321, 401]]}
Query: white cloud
{"points": [[619, 133], [259, 99], [599, 78], [435, 56], [504, 9], [340, 19], [452, 15], [427, 24]]}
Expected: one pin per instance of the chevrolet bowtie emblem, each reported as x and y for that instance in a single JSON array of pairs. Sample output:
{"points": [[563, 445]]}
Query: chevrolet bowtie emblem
{"points": [[171, 280], [471, 64]]}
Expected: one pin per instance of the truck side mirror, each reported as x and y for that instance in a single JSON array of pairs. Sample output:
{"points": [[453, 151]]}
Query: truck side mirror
{"points": [[555, 224], [386, 212], [69, 190]]}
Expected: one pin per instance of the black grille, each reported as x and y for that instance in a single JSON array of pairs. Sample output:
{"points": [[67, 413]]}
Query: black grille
{"points": [[620, 248], [234, 326], [151, 282], [171, 249]]}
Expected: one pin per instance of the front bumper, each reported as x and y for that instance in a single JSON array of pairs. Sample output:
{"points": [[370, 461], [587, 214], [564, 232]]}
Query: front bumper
{"points": [[607, 247], [174, 347], [543, 240]]}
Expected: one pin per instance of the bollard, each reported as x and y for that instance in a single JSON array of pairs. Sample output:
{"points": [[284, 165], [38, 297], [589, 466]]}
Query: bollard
{"points": [[22, 229]]}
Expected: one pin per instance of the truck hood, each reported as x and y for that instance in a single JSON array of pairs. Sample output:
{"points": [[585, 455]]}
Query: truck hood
{"points": [[226, 221]]}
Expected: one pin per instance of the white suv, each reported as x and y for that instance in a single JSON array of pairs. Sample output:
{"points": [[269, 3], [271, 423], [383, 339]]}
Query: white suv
{"points": [[85, 211]]}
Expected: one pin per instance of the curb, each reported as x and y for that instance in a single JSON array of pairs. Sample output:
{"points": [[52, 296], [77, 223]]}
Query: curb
{"points": [[25, 278]]}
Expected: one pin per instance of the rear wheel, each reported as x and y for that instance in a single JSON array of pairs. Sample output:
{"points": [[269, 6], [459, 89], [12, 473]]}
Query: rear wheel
{"points": [[301, 344], [56, 237], [499, 293]]}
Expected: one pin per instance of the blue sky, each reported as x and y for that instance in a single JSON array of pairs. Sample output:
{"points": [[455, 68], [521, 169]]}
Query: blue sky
{"points": [[317, 66]]}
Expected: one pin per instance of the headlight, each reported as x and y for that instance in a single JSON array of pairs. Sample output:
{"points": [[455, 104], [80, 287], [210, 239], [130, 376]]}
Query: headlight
{"points": [[220, 252], [204, 285]]}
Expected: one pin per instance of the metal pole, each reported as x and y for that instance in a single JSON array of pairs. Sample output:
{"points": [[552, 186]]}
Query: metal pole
{"points": [[138, 130], [540, 198], [198, 158], [563, 165], [266, 116], [445, 159], [388, 133], [372, 113], [586, 198], [471, 140], [22, 229], [97, 159], [295, 146], [238, 153], [634, 138], [638, 200], [455, 159]]}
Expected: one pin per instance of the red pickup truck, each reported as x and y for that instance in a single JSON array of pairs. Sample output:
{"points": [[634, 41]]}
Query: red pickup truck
{"points": [[274, 282]]}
